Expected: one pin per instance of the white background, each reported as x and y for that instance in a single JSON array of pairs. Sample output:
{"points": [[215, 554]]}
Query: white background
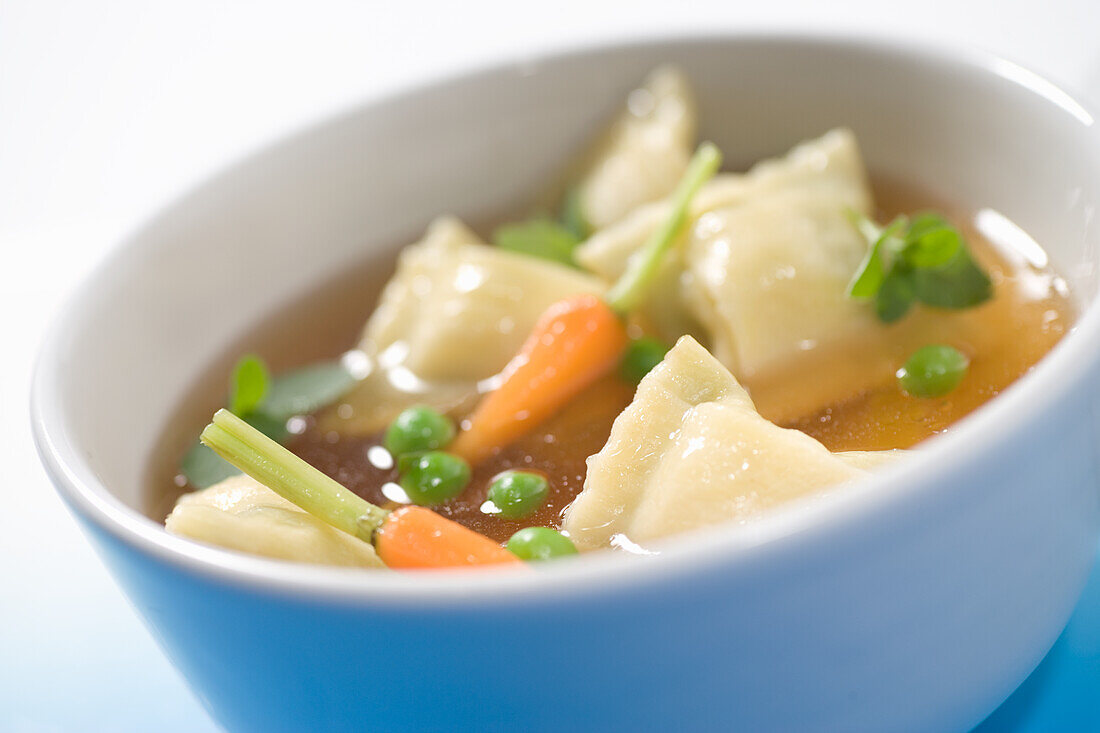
{"points": [[108, 110]]}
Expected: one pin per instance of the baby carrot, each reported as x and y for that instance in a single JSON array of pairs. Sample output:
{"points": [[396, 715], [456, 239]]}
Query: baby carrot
{"points": [[414, 537], [574, 343], [410, 537], [577, 340]]}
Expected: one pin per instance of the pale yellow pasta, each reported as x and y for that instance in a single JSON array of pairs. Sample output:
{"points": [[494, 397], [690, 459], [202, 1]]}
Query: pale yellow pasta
{"points": [[455, 312], [762, 274], [691, 451], [644, 153], [242, 514]]}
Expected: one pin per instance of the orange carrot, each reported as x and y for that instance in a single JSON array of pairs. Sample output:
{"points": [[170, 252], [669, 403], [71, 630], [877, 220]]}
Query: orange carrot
{"points": [[415, 538], [409, 537], [575, 342]]}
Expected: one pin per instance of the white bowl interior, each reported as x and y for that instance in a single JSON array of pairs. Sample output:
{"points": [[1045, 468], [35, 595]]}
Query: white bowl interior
{"points": [[191, 284]]}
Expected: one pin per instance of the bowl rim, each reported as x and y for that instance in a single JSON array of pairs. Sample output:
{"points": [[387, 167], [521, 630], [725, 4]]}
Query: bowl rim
{"points": [[783, 532]]}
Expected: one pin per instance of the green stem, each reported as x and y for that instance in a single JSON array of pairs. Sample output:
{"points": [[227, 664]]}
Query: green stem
{"points": [[290, 477], [628, 291], [868, 229], [883, 245]]}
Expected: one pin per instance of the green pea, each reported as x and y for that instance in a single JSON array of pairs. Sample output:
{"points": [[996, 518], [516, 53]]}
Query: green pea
{"points": [[418, 428], [434, 477], [641, 356], [406, 461], [933, 371], [518, 494], [540, 543]]}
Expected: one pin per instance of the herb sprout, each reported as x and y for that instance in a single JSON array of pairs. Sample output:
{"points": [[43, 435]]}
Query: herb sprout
{"points": [[266, 404], [923, 260], [631, 287], [247, 385], [572, 214], [306, 390], [539, 238], [203, 467], [546, 238]]}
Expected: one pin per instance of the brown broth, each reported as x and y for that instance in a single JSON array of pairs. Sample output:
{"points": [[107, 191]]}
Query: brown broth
{"points": [[558, 449], [1005, 337]]}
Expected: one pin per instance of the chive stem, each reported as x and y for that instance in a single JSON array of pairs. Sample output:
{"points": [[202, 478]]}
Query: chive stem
{"points": [[290, 477], [628, 291]]}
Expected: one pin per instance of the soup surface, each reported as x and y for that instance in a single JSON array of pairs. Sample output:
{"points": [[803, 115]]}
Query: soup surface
{"points": [[1004, 338]]}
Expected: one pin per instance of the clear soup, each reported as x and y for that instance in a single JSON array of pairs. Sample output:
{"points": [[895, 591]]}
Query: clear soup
{"points": [[1004, 338]]}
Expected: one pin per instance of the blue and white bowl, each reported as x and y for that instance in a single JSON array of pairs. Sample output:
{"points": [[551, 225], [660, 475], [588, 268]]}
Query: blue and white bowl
{"points": [[916, 600]]}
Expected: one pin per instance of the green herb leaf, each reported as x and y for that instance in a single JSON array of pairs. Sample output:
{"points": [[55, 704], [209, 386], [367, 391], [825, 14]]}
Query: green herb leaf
{"points": [[203, 467], [247, 385], [895, 295], [306, 390], [572, 214], [959, 283], [931, 242], [925, 260], [272, 427], [868, 279], [266, 404], [539, 238]]}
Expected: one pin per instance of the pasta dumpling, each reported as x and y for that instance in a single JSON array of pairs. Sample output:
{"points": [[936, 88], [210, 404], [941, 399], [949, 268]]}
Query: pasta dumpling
{"points": [[454, 314], [645, 152], [770, 273], [241, 514], [779, 230], [691, 451]]}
